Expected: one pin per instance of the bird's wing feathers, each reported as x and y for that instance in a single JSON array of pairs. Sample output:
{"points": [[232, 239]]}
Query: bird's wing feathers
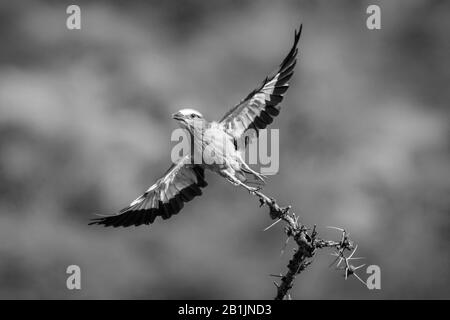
{"points": [[181, 183], [259, 108]]}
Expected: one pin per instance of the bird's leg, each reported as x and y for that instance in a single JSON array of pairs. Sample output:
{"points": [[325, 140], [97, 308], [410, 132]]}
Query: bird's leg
{"points": [[249, 189], [246, 168], [238, 182], [259, 176]]}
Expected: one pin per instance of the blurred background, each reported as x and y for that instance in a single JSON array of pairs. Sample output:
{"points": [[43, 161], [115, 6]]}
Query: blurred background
{"points": [[85, 128]]}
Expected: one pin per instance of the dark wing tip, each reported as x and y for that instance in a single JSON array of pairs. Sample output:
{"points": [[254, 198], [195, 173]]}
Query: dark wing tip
{"points": [[99, 220], [290, 58], [126, 219], [299, 32], [103, 220]]}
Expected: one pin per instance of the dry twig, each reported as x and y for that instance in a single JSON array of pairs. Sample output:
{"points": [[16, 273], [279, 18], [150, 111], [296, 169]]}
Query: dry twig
{"points": [[307, 242]]}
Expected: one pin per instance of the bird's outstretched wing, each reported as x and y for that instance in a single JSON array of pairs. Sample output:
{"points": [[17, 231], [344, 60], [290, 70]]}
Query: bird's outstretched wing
{"points": [[181, 183], [259, 108]]}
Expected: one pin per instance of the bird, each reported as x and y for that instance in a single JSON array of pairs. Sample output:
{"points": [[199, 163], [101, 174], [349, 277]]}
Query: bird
{"points": [[185, 179]]}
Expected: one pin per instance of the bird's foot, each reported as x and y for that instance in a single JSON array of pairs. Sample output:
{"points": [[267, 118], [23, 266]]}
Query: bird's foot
{"points": [[252, 190]]}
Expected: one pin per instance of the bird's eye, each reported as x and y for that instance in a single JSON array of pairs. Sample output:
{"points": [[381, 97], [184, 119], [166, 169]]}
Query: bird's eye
{"points": [[193, 115]]}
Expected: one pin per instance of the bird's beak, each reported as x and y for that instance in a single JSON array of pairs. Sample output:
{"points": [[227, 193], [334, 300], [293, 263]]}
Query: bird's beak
{"points": [[177, 116]]}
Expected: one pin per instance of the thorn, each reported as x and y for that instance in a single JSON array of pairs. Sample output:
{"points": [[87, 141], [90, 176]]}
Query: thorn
{"points": [[277, 275], [356, 258], [336, 228], [357, 277], [276, 284], [350, 256], [272, 224], [338, 257], [359, 267]]}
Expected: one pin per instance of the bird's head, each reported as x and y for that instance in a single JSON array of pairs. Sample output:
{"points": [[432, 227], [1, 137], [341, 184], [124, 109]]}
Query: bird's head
{"points": [[187, 118]]}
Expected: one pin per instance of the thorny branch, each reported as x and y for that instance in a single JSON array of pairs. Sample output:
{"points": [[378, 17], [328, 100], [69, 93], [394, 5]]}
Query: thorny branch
{"points": [[307, 241]]}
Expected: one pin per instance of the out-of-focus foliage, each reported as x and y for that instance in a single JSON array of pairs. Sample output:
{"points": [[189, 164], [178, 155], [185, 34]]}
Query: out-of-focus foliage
{"points": [[85, 127]]}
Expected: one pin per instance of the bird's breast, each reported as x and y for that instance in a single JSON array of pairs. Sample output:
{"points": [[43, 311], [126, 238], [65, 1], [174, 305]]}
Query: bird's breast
{"points": [[216, 146]]}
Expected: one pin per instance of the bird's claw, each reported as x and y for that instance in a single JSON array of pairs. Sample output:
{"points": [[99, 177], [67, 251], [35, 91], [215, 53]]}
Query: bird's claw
{"points": [[252, 190]]}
